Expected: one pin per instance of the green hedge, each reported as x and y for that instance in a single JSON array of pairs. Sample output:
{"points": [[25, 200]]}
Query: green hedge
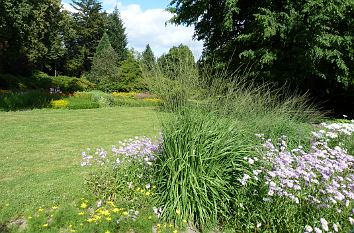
{"points": [[40, 80]]}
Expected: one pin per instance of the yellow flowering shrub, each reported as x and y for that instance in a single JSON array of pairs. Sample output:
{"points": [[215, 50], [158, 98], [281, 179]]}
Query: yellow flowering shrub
{"points": [[125, 94], [59, 103]]}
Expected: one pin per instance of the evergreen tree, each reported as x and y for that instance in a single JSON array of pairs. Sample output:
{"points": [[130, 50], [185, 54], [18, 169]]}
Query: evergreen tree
{"points": [[130, 74], [105, 64], [89, 25], [297, 42], [28, 34], [117, 35], [148, 58]]}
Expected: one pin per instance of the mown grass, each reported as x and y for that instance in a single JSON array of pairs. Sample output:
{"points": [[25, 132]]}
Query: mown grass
{"points": [[41, 151]]}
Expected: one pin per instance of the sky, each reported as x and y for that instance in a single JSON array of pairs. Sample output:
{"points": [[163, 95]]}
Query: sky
{"points": [[145, 23]]}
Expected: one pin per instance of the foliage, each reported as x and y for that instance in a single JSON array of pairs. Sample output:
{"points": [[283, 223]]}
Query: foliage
{"points": [[40, 80], [200, 162], [130, 76], [307, 44], [175, 79], [29, 35], [25, 100], [88, 27], [176, 61], [117, 35], [105, 64], [148, 59]]}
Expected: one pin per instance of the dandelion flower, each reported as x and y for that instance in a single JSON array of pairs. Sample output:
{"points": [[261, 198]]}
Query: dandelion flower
{"points": [[55, 207], [81, 213], [115, 210], [178, 212], [40, 210], [45, 225], [175, 231], [125, 213]]}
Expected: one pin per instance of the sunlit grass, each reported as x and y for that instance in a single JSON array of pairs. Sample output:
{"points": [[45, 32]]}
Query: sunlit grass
{"points": [[41, 151]]}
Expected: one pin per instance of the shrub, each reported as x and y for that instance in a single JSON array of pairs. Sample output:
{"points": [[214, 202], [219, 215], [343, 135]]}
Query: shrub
{"points": [[59, 103], [103, 99], [40, 80], [81, 101], [25, 100]]}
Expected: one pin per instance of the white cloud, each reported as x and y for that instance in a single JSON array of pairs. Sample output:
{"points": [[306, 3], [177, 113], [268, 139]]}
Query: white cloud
{"points": [[149, 27], [68, 7]]}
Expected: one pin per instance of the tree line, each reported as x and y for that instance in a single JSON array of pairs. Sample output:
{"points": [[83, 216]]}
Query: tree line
{"points": [[41, 35]]}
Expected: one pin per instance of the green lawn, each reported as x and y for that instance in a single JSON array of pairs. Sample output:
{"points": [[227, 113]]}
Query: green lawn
{"points": [[41, 151]]}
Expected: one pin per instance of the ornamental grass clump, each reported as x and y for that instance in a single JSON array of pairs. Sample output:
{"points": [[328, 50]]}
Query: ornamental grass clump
{"points": [[198, 168]]}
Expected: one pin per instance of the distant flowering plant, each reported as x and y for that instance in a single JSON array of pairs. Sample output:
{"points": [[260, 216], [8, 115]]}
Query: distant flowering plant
{"points": [[126, 169], [59, 103]]}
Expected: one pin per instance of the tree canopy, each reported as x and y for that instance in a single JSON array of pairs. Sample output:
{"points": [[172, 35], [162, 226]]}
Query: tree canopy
{"points": [[284, 41]]}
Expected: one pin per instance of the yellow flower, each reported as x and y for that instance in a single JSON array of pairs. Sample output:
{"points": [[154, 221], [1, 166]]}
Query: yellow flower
{"points": [[171, 226], [55, 207], [83, 205], [147, 193], [105, 212], [91, 220], [175, 231], [111, 203], [40, 210], [59, 103], [115, 210], [81, 213], [45, 225], [154, 186], [109, 219], [158, 225], [178, 212], [125, 213], [184, 221], [107, 232]]}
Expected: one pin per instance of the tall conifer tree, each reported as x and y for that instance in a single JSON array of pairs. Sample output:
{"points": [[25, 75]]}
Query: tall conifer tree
{"points": [[117, 35]]}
